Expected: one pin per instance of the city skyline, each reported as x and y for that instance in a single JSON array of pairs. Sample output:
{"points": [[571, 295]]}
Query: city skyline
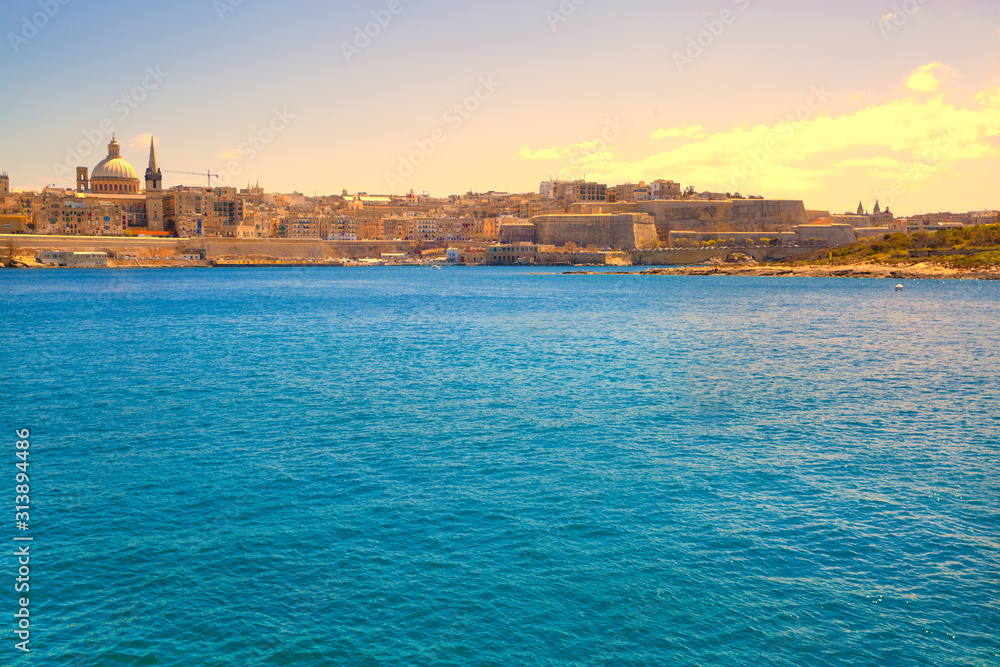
{"points": [[899, 103]]}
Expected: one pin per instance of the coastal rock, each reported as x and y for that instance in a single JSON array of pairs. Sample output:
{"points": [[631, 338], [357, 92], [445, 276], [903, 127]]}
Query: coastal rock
{"points": [[741, 258]]}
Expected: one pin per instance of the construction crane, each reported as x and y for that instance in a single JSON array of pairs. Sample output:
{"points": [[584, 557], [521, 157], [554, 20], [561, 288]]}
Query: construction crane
{"points": [[207, 173]]}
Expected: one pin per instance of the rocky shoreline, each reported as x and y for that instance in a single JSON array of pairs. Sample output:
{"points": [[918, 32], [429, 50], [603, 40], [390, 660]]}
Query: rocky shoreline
{"points": [[923, 271]]}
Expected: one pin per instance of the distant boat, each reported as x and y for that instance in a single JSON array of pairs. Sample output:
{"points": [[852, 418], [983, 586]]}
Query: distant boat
{"points": [[899, 288]]}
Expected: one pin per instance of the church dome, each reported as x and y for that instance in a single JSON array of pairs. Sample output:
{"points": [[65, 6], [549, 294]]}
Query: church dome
{"points": [[113, 174], [117, 168]]}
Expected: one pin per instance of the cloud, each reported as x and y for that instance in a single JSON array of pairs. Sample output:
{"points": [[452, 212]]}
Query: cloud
{"points": [[230, 155], [140, 140], [686, 131], [543, 154], [888, 17], [927, 78], [989, 97], [901, 139]]}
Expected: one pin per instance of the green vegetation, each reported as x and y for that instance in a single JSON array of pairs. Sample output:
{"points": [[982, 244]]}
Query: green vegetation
{"points": [[983, 260], [967, 247]]}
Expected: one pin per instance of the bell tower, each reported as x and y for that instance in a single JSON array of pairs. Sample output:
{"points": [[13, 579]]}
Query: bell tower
{"points": [[82, 179], [154, 193], [4, 184]]}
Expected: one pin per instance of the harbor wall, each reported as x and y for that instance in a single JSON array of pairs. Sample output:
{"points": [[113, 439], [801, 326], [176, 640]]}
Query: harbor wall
{"points": [[315, 249]]}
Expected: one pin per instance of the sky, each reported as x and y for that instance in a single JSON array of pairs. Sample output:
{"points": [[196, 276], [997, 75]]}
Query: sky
{"points": [[828, 102]]}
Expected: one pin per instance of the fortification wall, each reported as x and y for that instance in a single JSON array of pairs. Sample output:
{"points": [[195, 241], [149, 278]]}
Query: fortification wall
{"points": [[108, 244], [626, 231], [834, 235], [740, 215], [213, 248], [278, 249], [304, 248], [370, 249]]}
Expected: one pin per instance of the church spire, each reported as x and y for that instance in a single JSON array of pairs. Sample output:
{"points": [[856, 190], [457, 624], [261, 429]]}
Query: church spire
{"points": [[154, 177], [861, 208], [152, 156]]}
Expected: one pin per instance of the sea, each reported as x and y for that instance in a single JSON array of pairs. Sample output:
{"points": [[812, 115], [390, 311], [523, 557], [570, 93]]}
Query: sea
{"points": [[499, 467]]}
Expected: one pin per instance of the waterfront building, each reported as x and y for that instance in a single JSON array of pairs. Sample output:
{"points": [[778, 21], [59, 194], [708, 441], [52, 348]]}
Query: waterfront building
{"points": [[506, 254], [72, 259]]}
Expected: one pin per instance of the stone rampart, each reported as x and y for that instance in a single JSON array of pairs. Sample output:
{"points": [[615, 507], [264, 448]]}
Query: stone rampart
{"points": [[626, 231], [214, 248], [740, 215]]}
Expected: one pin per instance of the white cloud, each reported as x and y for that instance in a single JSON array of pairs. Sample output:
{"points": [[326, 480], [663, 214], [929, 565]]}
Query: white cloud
{"points": [[230, 155], [927, 78]]}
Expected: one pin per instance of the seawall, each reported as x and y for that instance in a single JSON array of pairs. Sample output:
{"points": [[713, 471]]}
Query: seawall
{"points": [[315, 249]]}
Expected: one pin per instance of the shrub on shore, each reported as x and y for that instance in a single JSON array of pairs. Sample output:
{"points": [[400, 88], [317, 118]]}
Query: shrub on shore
{"points": [[895, 248]]}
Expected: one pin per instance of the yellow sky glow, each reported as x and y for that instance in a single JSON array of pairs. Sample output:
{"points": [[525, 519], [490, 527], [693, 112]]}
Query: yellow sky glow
{"points": [[907, 140]]}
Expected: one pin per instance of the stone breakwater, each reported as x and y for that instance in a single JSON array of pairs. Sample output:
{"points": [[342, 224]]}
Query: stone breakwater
{"points": [[911, 272]]}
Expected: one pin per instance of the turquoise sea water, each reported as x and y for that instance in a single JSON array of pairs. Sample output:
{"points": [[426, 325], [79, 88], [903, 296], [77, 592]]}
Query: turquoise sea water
{"points": [[488, 467]]}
